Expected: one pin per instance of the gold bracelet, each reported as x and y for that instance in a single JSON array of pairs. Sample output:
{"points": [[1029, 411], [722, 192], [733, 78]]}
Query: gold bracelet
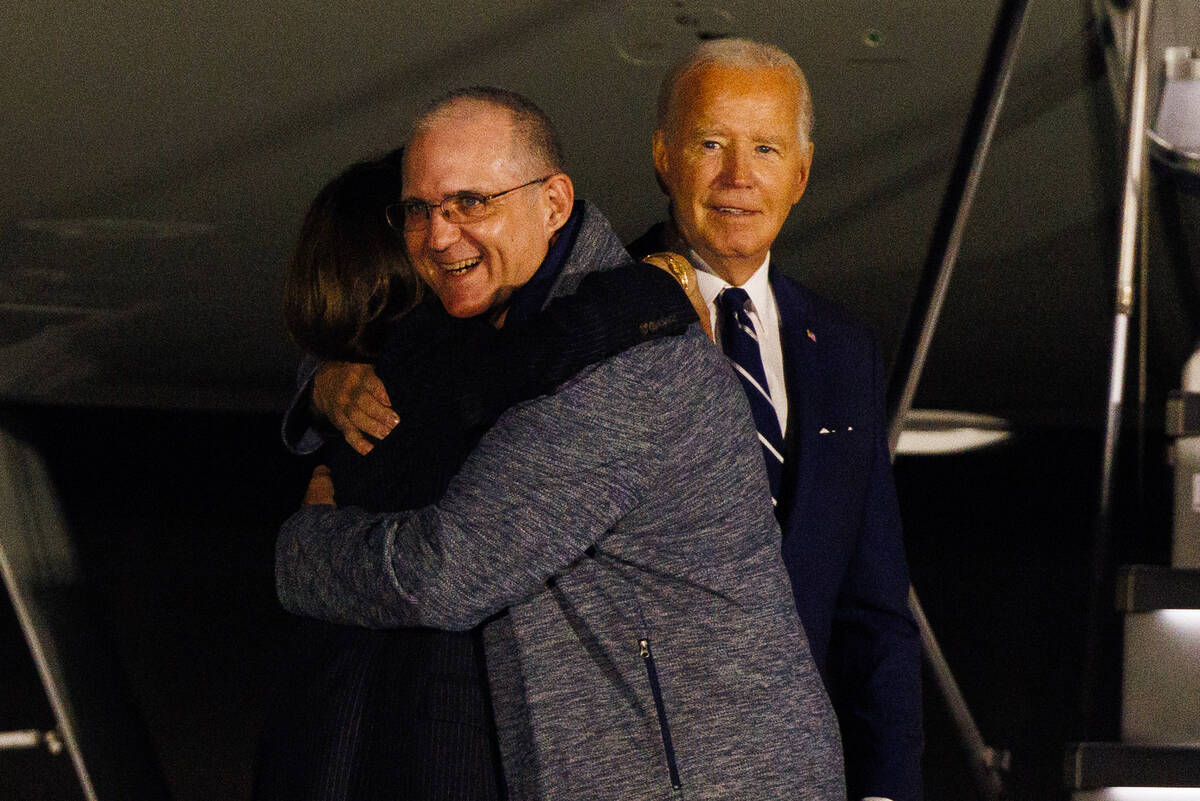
{"points": [[676, 265]]}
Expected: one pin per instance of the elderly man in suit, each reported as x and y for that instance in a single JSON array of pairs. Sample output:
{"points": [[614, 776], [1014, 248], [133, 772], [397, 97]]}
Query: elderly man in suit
{"points": [[732, 149], [616, 536]]}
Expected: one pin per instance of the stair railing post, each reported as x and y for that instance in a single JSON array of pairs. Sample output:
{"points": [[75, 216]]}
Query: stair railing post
{"points": [[1099, 596]]}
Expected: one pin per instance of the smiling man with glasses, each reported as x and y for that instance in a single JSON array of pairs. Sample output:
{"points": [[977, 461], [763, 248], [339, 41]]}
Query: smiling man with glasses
{"points": [[462, 245], [476, 226], [615, 538]]}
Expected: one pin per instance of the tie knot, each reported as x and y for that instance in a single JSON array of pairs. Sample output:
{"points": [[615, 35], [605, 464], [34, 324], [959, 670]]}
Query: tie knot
{"points": [[733, 299]]}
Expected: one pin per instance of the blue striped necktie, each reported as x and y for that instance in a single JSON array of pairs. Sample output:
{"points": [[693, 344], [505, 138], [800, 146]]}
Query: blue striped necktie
{"points": [[740, 343]]}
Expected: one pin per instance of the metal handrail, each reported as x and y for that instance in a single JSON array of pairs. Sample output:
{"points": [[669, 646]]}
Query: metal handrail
{"points": [[1131, 214], [988, 766]]}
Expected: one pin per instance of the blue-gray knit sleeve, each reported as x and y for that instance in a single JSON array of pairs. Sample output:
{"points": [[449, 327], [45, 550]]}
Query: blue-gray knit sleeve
{"points": [[298, 431], [546, 483]]}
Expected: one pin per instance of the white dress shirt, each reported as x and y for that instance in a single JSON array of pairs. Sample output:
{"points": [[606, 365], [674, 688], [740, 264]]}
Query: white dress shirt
{"points": [[764, 313]]}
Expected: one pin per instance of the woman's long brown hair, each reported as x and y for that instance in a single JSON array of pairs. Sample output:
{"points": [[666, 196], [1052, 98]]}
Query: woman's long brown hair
{"points": [[348, 276]]}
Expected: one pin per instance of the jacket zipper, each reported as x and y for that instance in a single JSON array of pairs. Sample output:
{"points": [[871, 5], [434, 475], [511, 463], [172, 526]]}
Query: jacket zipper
{"points": [[656, 690]]}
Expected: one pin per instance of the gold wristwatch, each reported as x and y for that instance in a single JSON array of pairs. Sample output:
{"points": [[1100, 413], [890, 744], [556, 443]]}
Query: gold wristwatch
{"points": [[677, 265]]}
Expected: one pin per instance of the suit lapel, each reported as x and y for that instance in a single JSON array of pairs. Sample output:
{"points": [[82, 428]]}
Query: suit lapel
{"points": [[801, 367]]}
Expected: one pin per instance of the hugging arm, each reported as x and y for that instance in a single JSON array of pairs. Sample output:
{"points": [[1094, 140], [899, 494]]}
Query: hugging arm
{"points": [[546, 482], [332, 397], [610, 311]]}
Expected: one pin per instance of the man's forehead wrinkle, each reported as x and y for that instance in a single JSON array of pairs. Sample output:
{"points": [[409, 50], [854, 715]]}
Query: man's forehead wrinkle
{"points": [[468, 150], [734, 131], [735, 83]]}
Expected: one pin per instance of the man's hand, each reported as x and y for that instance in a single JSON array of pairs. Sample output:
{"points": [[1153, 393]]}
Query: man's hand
{"points": [[320, 488], [685, 274], [352, 397]]}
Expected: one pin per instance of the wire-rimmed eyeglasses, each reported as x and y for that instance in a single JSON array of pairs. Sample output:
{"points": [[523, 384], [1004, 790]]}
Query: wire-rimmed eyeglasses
{"points": [[459, 208]]}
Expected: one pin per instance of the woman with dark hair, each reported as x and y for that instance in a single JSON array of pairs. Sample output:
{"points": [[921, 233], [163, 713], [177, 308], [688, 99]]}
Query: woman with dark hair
{"points": [[348, 279], [404, 714]]}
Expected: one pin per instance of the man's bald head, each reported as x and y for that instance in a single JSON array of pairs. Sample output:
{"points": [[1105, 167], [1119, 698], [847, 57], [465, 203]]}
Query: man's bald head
{"points": [[535, 141]]}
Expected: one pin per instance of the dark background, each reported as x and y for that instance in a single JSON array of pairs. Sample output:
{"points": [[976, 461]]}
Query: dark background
{"points": [[161, 157]]}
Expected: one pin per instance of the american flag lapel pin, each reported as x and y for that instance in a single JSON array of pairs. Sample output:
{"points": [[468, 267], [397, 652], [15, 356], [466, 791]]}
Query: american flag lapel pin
{"points": [[811, 335]]}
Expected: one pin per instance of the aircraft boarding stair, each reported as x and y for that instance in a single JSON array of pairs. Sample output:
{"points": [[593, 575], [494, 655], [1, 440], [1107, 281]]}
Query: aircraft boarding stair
{"points": [[1155, 70]]}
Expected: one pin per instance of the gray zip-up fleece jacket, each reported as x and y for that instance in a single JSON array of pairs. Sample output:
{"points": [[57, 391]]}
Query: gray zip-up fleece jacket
{"points": [[643, 641]]}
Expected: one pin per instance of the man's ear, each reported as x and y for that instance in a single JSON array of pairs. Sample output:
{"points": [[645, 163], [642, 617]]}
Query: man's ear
{"points": [[559, 192], [658, 147], [802, 172]]}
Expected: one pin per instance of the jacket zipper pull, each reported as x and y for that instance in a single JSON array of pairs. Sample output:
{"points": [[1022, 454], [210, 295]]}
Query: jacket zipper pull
{"points": [[660, 708]]}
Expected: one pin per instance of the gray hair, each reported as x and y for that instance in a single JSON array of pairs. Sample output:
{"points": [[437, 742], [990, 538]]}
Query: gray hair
{"points": [[533, 131], [744, 53]]}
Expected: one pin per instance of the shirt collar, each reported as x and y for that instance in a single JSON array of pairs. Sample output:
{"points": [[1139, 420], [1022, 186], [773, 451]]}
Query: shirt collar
{"points": [[757, 286]]}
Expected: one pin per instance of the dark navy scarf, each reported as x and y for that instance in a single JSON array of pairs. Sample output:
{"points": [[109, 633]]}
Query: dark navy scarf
{"points": [[530, 298]]}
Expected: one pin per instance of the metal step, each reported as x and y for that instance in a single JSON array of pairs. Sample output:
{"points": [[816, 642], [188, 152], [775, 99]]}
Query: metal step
{"points": [[1160, 694], [1146, 588], [1095, 766]]}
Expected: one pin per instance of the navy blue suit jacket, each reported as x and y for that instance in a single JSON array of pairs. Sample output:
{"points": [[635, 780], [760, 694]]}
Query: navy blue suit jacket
{"points": [[842, 541]]}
